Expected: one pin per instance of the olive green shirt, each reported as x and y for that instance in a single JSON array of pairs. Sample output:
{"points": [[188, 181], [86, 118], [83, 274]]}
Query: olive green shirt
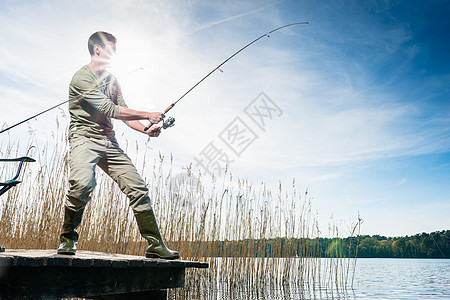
{"points": [[94, 101]]}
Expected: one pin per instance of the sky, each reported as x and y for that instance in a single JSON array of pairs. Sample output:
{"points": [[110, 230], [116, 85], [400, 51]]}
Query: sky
{"points": [[353, 105]]}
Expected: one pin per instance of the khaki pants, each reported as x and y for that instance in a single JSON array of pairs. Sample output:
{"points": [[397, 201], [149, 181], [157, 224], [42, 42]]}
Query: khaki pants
{"points": [[85, 154]]}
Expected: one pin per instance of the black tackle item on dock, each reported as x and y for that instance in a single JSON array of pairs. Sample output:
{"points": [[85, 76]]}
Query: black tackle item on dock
{"points": [[149, 230], [69, 237], [5, 186]]}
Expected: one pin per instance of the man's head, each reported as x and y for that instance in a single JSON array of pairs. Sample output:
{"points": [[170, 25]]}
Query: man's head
{"points": [[102, 47], [101, 39]]}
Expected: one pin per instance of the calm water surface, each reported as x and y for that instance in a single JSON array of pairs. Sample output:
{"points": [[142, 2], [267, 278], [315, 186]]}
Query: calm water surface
{"points": [[401, 279], [373, 279]]}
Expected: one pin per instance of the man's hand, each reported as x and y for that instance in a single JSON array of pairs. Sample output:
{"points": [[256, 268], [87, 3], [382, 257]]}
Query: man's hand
{"points": [[155, 117], [154, 131]]}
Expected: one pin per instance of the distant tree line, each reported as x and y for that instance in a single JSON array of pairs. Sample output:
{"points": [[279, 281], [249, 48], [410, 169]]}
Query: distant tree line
{"points": [[424, 245]]}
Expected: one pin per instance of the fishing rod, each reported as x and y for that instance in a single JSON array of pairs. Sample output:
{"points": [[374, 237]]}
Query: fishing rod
{"points": [[70, 99], [172, 120]]}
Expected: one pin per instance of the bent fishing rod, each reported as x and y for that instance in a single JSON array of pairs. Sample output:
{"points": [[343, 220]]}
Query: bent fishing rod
{"points": [[171, 120]]}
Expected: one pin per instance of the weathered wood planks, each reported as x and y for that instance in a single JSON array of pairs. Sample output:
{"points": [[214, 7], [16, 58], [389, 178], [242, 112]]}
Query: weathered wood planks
{"points": [[46, 275]]}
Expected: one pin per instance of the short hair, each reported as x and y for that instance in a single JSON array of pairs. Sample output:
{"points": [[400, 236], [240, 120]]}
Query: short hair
{"points": [[100, 38]]}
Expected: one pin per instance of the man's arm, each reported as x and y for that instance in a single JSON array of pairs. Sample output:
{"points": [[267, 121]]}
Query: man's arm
{"points": [[131, 117], [153, 131], [131, 114]]}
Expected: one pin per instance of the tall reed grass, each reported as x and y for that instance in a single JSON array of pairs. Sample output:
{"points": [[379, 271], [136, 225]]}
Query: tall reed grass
{"points": [[196, 214]]}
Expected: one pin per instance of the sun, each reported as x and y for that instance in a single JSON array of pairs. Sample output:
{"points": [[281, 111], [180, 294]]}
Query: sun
{"points": [[140, 65]]}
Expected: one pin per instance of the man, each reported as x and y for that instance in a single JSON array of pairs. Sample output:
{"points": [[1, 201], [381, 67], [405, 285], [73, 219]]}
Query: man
{"points": [[96, 99]]}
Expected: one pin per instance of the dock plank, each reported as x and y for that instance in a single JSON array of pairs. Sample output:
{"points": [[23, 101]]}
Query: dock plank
{"points": [[47, 275]]}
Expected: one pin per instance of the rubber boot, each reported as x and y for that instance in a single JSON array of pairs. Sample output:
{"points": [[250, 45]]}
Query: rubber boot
{"points": [[149, 230], [69, 237]]}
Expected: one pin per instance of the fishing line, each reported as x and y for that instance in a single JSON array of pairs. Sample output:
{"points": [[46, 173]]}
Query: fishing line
{"points": [[70, 99], [224, 62]]}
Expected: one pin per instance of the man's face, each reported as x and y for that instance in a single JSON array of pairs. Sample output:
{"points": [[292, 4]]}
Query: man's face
{"points": [[105, 54]]}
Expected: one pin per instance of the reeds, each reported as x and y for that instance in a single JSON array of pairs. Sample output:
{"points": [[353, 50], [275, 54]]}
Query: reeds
{"points": [[250, 235]]}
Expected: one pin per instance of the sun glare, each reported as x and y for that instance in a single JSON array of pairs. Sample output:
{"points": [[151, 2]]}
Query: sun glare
{"points": [[140, 64], [130, 65]]}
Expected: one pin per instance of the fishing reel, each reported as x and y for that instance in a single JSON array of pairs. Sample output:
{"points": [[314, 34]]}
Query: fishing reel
{"points": [[170, 122]]}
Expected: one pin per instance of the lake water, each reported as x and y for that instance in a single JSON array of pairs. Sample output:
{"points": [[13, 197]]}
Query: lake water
{"points": [[373, 279], [401, 279]]}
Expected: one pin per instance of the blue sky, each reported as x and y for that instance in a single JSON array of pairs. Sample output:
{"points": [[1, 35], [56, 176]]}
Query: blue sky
{"points": [[362, 91]]}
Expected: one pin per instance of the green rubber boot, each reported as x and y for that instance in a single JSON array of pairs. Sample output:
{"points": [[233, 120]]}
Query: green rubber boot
{"points": [[69, 237], [149, 230]]}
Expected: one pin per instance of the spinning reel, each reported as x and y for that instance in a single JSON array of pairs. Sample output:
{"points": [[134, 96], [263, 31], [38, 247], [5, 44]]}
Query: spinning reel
{"points": [[170, 122]]}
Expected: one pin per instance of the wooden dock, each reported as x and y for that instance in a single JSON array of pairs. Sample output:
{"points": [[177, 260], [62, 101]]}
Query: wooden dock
{"points": [[43, 274]]}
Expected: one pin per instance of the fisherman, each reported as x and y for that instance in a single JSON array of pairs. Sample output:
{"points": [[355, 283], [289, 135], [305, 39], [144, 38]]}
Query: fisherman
{"points": [[98, 99]]}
